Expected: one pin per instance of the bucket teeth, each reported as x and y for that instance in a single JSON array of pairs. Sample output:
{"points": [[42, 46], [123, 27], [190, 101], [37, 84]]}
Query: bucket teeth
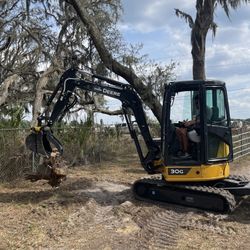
{"points": [[40, 143], [35, 142]]}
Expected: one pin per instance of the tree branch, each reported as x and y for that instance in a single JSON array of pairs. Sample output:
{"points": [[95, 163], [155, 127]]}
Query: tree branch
{"points": [[113, 65], [107, 111], [6, 45]]}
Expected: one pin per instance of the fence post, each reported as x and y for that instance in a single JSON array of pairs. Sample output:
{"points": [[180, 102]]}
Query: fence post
{"points": [[33, 162], [241, 143]]}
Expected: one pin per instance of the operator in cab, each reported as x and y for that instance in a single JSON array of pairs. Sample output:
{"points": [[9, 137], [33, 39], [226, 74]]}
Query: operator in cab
{"points": [[188, 131]]}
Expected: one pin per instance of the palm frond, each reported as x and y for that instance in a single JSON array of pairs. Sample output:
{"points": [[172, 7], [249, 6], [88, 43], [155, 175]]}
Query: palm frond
{"points": [[234, 4], [213, 27], [185, 16]]}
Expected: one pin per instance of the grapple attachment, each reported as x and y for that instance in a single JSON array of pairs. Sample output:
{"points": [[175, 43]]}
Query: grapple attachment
{"points": [[41, 141]]}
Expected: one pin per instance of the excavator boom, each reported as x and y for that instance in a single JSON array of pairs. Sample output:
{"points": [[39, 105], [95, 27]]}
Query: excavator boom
{"points": [[41, 138]]}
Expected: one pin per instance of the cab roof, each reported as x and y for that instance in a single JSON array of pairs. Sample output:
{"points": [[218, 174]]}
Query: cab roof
{"points": [[197, 83]]}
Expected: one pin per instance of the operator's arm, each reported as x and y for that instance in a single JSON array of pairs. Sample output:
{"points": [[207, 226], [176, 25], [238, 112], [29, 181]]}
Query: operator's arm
{"points": [[190, 123]]}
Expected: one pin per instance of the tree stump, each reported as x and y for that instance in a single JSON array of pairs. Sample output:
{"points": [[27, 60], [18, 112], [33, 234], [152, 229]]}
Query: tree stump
{"points": [[52, 169]]}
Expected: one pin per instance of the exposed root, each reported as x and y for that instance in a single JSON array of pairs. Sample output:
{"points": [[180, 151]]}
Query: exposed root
{"points": [[50, 169]]}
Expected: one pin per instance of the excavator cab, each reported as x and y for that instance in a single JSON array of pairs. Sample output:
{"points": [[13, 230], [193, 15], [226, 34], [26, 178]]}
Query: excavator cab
{"points": [[196, 131]]}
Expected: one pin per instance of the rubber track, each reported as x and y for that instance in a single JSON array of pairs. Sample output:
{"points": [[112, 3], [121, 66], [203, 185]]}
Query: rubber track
{"points": [[219, 192], [241, 178]]}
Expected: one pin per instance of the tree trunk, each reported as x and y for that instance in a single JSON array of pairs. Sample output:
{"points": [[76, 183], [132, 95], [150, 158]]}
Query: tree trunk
{"points": [[4, 88], [128, 74], [41, 84], [203, 21], [198, 54]]}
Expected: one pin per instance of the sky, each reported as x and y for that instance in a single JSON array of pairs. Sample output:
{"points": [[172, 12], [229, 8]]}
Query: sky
{"points": [[166, 37]]}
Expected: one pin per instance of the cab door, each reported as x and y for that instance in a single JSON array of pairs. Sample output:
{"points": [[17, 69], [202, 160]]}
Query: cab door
{"points": [[179, 106], [218, 139]]}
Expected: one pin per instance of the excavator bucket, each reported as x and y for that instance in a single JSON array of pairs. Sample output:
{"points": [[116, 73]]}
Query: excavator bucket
{"points": [[42, 141]]}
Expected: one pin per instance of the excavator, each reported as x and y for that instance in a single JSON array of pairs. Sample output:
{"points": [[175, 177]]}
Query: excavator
{"points": [[201, 177]]}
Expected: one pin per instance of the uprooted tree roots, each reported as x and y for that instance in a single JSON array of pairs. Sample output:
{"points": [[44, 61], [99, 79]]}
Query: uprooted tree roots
{"points": [[51, 169]]}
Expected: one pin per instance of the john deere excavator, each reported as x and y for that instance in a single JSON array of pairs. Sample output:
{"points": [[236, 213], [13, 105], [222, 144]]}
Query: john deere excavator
{"points": [[201, 177]]}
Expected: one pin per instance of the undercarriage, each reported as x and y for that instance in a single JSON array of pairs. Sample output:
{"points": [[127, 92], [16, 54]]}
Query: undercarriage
{"points": [[219, 196]]}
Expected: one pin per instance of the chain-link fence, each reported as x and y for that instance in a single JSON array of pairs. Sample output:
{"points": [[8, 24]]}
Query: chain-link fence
{"points": [[14, 158], [84, 145]]}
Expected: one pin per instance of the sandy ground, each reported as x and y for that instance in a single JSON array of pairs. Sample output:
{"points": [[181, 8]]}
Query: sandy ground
{"points": [[95, 209]]}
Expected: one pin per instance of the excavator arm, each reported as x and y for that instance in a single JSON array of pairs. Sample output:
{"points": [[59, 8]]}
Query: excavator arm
{"points": [[41, 138]]}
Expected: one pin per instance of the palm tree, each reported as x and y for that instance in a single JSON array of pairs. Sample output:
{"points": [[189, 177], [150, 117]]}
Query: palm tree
{"points": [[199, 28]]}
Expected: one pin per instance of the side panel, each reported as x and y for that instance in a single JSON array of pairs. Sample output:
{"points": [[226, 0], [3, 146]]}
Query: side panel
{"points": [[196, 173]]}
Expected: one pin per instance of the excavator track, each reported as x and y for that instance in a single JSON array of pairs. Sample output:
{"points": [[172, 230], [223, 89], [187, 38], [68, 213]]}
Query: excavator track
{"points": [[240, 178], [200, 196]]}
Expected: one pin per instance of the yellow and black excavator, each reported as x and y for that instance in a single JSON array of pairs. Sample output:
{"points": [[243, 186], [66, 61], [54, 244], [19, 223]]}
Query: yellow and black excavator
{"points": [[197, 178]]}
